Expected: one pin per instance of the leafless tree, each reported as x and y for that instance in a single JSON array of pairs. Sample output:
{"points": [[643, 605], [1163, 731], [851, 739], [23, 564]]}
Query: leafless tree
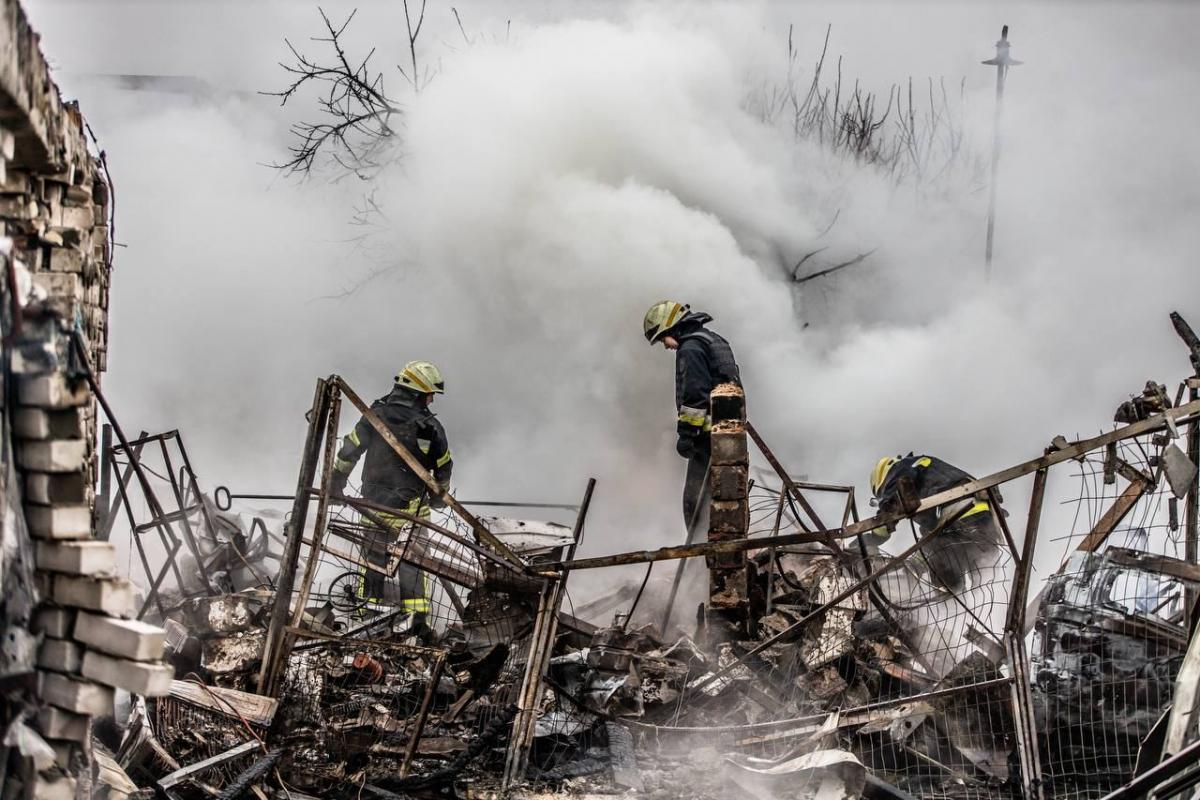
{"points": [[358, 120], [914, 141], [917, 142]]}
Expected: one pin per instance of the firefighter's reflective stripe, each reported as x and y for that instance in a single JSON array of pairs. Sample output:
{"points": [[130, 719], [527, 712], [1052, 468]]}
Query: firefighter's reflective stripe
{"points": [[424, 445], [415, 605], [923, 462], [696, 417], [342, 465], [444, 460], [979, 507], [352, 437], [414, 507]]}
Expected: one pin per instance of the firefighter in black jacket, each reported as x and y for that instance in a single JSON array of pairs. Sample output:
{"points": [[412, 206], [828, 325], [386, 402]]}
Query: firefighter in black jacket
{"points": [[703, 360], [965, 546], [388, 481]]}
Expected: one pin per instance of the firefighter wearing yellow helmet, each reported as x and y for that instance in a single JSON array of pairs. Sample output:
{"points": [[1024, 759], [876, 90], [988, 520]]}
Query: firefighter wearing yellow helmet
{"points": [[703, 359], [967, 547], [388, 481]]}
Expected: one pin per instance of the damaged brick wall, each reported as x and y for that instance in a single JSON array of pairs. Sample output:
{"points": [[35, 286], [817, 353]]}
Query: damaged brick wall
{"points": [[69, 633]]}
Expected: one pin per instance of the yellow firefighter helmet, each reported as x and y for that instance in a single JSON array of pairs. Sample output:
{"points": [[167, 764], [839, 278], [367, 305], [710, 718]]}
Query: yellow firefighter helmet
{"points": [[423, 377], [662, 316]]}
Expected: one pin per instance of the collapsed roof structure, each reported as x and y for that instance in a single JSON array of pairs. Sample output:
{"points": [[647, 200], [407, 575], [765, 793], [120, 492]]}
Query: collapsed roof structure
{"points": [[817, 663]]}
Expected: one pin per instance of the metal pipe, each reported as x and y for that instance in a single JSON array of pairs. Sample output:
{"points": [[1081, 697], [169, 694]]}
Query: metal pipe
{"points": [[1002, 62], [318, 536], [541, 647], [287, 568]]}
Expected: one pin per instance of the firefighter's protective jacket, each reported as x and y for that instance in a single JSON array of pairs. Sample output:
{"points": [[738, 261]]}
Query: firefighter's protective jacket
{"points": [[929, 476], [703, 361], [386, 479]]}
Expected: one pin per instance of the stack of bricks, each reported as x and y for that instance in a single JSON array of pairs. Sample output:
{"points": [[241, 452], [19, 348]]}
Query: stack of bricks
{"points": [[729, 512], [55, 209]]}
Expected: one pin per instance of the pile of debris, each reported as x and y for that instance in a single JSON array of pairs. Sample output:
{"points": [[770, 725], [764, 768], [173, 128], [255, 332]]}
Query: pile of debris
{"points": [[819, 665]]}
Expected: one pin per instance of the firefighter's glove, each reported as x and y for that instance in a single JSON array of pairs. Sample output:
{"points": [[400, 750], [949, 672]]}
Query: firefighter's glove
{"points": [[436, 501], [686, 446], [337, 485]]}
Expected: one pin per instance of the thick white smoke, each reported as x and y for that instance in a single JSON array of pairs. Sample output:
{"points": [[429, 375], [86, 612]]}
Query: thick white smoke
{"points": [[557, 181]]}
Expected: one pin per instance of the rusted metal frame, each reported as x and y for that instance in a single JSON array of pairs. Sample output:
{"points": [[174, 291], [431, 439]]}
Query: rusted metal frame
{"points": [[541, 647], [481, 532], [271, 661], [147, 491], [189, 535], [1014, 650], [788, 483], [771, 556], [414, 738], [170, 543], [104, 530], [1014, 639], [122, 499], [687, 551], [1067, 453], [144, 439], [1017, 614], [1010, 543], [541, 643], [792, 629], [191, 473], [288, 641], [1026, 725], [152, 595], [1135, 491], [1171, 567]]}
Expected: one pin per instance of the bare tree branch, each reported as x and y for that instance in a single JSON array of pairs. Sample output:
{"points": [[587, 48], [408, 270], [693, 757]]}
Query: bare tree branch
{"points": [[861, 257]]}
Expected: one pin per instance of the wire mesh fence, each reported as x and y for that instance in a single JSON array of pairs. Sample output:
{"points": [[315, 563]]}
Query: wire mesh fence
{"points": [[1111, 631], [925, 655]]}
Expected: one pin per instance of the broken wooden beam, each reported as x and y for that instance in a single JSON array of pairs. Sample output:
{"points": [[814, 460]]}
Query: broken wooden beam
{"points": [[253, 708]]}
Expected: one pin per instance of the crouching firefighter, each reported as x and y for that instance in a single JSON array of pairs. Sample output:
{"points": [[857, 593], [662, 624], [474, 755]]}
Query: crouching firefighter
{"points": [[388, 481], [703, 360], [965, 547]]}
